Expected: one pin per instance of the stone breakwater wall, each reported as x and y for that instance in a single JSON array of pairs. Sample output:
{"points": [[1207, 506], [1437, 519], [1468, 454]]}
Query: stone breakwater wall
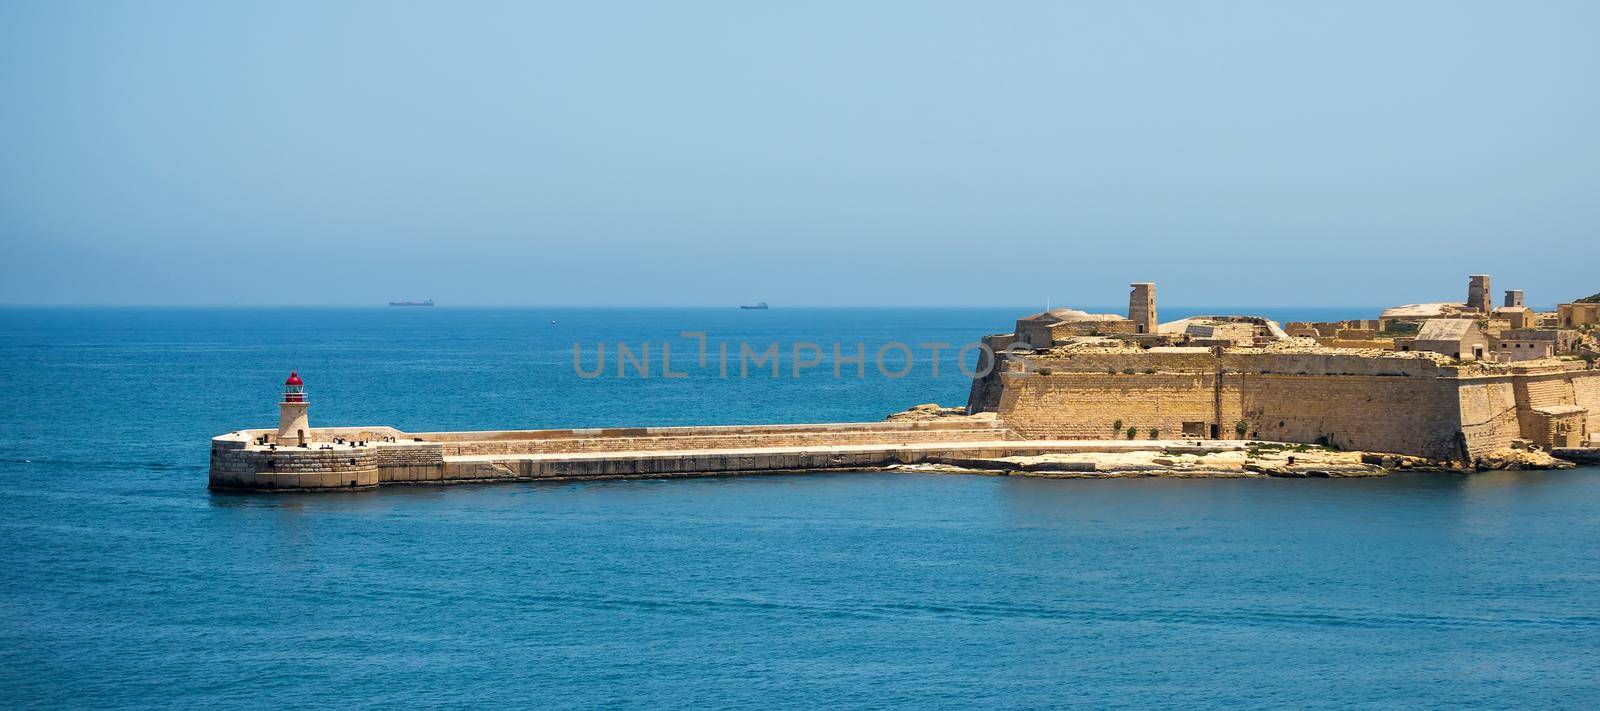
{"points": [[1402, 406], [235, 466], [239, 464]]}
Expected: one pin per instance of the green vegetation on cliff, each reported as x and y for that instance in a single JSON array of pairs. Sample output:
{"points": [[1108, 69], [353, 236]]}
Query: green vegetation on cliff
{"points": [[1595, 299]]}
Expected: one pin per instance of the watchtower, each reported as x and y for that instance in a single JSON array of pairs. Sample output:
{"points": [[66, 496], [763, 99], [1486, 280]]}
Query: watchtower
{"points": [[1478, 293], [1513, 297], [1142, 307]]}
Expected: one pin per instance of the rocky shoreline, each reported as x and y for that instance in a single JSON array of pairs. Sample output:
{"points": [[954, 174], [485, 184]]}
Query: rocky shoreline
{"points": [[1224, 459], [1241, 460]]}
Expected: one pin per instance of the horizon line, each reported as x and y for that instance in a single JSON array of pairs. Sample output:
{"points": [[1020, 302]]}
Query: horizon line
{"points": [[364, 304]]}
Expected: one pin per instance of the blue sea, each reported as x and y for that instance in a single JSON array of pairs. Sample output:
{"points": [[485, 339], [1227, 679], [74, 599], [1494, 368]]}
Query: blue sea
{"points": [[124, 583]]}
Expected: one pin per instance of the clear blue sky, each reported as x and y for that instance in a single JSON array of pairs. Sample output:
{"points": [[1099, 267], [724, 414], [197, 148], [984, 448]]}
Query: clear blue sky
{"points": [[1346, 153]]}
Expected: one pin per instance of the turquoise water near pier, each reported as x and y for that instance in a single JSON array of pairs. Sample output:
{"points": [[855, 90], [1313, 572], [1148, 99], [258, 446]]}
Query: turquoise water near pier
{"points": [[124, 583]]}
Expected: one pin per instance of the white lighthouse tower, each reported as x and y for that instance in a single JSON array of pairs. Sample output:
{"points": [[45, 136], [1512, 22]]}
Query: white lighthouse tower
{"points": [[292, 420]]}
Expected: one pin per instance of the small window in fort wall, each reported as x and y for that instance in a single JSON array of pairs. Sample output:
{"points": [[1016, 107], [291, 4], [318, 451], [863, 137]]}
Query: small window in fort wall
{"points": [[1194, 429]]}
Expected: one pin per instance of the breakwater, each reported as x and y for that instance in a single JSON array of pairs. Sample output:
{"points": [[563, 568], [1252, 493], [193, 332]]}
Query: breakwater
{"points": [[368, 457], [365, 457]]}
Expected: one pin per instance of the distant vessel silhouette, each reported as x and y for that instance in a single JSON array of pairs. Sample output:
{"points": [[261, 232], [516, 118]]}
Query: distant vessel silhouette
{"points": [[759, 305], [424, 302]]}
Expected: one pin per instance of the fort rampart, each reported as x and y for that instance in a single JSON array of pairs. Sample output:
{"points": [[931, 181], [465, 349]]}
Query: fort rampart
{"points": [[1398, 405]]}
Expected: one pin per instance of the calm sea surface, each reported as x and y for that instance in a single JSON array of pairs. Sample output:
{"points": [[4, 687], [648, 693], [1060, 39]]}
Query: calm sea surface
{"points": [[123, 582]]}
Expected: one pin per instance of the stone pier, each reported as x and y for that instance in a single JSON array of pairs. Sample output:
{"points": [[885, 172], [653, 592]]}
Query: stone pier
{"points": [[367, 457]]}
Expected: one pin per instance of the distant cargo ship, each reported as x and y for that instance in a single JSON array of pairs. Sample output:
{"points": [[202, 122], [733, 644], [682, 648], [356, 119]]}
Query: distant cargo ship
{"points": [[424, 302], [759, 305]]}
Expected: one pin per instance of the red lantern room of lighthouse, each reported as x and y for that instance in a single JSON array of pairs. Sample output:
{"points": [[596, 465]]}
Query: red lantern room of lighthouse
{"points": [[294, 389], [293, 423]]}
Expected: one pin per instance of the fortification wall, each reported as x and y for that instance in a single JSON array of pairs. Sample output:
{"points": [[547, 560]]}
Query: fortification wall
{"points": [[1177, 360], [1487, 414], [1586, 393], [1369, 412], [1411, 406], [1086, 405], [1580, 388], [1377, 413], [984, 395]]}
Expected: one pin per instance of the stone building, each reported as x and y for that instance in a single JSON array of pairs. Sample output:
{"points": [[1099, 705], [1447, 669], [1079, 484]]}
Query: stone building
{"points": [[1044, 329], [1226, 333], [1515, 316], [1559, 425], [1458, 338], [1351, 328], [1417, 313], [1479, 302], [1233, 330], [1525, 344], [1578, 314]]}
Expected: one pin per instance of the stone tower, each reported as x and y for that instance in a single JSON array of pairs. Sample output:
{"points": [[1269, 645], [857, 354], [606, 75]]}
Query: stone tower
{"points": [[293, 424], [1478, 293], [1142, 307], [1513, 297]]}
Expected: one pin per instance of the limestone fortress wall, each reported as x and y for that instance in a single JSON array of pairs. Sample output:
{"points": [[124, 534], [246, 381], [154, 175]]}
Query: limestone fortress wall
{"points": [[1403, 406]]}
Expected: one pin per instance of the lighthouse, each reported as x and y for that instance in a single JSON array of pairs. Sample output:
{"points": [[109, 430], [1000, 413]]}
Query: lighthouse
{"points": [[292, 420]]}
